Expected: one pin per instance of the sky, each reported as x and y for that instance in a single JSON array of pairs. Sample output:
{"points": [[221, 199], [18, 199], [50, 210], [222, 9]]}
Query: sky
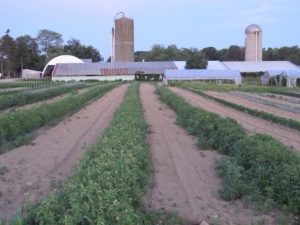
{"points": [[184, 23]]}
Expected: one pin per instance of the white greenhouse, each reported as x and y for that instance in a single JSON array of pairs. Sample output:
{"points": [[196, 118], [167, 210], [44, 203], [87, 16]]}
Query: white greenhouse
{"points": [[290, 75], [216, 76]]}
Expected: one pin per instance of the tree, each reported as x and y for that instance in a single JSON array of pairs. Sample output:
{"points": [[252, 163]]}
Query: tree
{"points": [[27, 48], [7, 54], [49, 41], [196, 61], [211, 53], [75, 48]]}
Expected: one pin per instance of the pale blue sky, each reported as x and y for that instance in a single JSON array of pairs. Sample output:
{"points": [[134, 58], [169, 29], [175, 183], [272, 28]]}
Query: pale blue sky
{"points": [[185, 23]]}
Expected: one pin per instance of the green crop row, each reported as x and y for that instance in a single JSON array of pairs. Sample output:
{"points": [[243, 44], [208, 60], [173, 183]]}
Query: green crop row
{"points": [[21, 122], [110, 180], [28, 97], [255, 167], [264, 115]]}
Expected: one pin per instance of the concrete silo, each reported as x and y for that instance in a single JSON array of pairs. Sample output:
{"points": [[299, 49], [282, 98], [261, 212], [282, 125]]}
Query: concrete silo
{"points": [[253, 43], [123, 39]]}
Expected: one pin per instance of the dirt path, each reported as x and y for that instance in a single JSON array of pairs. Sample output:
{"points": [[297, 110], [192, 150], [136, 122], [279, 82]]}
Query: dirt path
{"points": [[254, 105], [184, 179], [32, 171], [252, 124]]}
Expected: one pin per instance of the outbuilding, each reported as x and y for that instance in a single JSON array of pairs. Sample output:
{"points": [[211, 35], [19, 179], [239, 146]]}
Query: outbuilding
{"points": [[233, 76]]}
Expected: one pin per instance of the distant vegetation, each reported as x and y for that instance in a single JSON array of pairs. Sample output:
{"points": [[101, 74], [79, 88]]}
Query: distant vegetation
{"points": [[34, 52]]}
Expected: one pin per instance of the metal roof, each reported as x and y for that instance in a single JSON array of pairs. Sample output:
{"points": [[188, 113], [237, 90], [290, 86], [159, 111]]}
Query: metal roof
{"points": [[201, 74], [216, 65], [116, 68], [259, 66], [287, 73]]}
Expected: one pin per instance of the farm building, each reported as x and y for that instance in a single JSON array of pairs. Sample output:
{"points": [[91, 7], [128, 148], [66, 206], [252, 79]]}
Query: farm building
{"points": [[252, 66], [31, 74], [290, 75], [203, 74], [110, 71], [59, 59]]}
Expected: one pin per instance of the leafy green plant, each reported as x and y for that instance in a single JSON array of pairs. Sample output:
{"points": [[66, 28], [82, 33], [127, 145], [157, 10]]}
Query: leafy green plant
{"points": [[256, 167]]}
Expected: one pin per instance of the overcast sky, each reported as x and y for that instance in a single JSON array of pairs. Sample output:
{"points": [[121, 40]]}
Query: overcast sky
{"points": [[185, 23]]}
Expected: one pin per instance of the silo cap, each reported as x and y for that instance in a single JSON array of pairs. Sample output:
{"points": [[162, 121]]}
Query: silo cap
{"points": [[253, 28]]}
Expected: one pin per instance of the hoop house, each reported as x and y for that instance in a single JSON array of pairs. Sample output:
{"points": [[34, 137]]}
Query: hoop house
{"points": [[218, 76]]}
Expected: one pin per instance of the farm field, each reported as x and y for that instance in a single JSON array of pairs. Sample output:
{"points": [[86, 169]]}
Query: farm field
{"points": [[253, 125], [183, 177], [35, 168], [259, 106]]}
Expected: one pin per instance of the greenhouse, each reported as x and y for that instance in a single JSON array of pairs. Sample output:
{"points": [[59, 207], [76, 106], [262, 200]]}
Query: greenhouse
{"points": [[216, 76], [291, 77]]}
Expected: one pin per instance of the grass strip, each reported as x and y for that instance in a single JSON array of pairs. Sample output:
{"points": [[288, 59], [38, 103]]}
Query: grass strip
{"points": [[24, 121], [256, 167], [110, 180], [264, 115]]}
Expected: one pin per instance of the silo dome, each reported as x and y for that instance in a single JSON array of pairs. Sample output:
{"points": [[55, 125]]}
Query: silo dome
{"points": [[253, 28]]}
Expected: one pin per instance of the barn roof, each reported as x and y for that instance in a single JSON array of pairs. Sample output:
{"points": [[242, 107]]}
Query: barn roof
{"points": [[202, 74], [116, 68]]}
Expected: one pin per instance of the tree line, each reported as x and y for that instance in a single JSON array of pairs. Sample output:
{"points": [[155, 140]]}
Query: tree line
{"points": [[233, 53], [35, 52]]}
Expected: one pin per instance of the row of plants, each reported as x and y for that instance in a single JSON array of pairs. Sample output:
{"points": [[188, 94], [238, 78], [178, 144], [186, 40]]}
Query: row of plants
{"points": [[264, 115], [4, 85], [110, 180], [254, 167], [16, 124], [266, 102], [28, 97], [295, 92]]}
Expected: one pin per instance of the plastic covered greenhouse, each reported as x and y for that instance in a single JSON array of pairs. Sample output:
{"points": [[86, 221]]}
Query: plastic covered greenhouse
{"points": [[217, 76], [290, 75]]}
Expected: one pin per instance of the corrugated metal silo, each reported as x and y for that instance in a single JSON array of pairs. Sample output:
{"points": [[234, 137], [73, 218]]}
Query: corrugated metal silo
{"points": [[123, 40], [253, 43]]}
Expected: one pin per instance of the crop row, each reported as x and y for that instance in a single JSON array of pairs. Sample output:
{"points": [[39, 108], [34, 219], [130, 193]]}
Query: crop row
{"points": [[266, 102], [109, 181], [255, 167], [264, 115], [16, 124], [28, 97]]}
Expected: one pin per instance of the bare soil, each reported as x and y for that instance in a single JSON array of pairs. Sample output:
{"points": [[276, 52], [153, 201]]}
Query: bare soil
{"points": [[184, 179], [257, 106], [32, 171], [252, 124]]}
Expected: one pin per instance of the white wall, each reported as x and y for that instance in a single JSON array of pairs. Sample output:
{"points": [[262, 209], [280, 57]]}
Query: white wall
{"points": [[100, 78]]}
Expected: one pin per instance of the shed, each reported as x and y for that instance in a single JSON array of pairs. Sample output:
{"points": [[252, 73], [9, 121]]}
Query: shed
{"points": [[202, 74], [31, 74]]}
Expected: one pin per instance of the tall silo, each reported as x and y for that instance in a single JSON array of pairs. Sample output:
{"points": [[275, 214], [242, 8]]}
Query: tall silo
{"points": [[123, 39], [253, 43]]}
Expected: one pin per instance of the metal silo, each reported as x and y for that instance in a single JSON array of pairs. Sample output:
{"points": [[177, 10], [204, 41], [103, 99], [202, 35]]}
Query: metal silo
{"points": [[123, 39], [253, 43]]}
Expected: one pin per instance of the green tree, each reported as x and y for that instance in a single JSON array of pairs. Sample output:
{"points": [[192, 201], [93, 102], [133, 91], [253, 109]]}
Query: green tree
{"points": [[75, 48], [49, 41], [8, 54], [27, 49], [211, 53], [196, 61]]}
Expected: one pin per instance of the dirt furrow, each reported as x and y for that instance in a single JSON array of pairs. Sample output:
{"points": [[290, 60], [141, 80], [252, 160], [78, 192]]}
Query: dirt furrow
{"points": [[34, 170], [254, 105], [252, 124], [184, 179]]}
